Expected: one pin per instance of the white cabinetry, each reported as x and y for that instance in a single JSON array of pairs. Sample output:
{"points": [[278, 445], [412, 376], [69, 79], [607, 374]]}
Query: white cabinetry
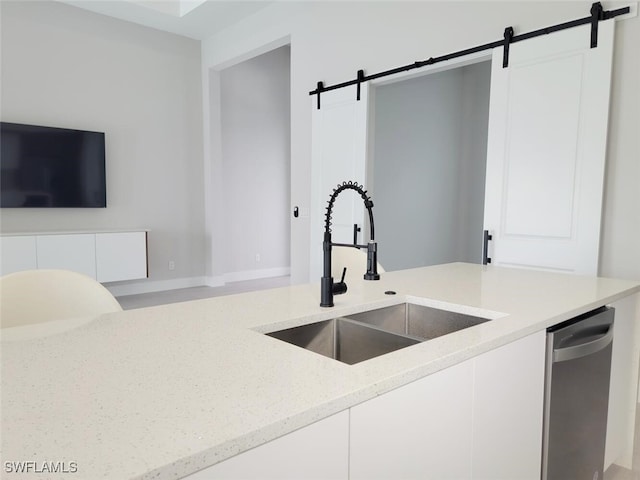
{"points": [[105, 256], [68, 252], [624, 382], [421, 430], [121, 256], [318, 451], [508, 402], [479, 419], [17, 253]]}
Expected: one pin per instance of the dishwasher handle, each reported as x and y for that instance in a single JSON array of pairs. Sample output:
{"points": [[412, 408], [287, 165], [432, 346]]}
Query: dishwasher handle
{"points": [[584, 349]]}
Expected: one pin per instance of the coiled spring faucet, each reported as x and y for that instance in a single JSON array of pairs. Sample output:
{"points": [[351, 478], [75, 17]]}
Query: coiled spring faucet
{"points": [[327, 286]]}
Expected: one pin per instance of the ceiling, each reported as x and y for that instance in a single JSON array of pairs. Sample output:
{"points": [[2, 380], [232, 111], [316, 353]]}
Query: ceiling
{"points": [[196, 19]]}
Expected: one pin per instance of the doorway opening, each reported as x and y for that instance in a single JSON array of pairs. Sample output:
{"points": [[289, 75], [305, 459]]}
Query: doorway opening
{"points": [[427, 166], [254, 168]]}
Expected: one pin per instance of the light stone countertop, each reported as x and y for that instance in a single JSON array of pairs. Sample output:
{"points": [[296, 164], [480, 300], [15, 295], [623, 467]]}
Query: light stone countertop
{"points": [[165, 391]]}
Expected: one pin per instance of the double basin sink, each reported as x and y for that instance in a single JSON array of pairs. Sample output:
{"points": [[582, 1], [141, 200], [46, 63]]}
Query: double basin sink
{"points": [[358, 337]]}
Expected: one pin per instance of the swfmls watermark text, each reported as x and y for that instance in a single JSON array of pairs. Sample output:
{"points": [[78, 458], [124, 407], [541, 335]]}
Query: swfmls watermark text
{"points": [[32, 466]]}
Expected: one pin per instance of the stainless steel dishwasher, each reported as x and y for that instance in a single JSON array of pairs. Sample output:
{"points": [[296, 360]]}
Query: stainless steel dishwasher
{"points": [[577, 396]]}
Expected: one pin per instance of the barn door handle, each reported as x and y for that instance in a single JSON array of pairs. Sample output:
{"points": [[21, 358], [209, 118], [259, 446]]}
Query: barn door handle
{"points": [[485, 249]]}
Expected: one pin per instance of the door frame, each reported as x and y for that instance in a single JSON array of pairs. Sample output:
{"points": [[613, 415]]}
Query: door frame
{"points": [[215, 268]]}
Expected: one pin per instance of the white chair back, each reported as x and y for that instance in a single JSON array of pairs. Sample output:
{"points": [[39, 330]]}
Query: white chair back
{"points": [[35, 296]]}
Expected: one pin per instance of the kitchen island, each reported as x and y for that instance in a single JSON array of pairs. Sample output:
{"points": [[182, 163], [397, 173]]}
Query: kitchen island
{"points": [[164, 392]]}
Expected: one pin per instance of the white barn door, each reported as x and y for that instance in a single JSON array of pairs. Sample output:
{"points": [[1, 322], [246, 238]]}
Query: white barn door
{"points": [[546, 151], [339, 140]]}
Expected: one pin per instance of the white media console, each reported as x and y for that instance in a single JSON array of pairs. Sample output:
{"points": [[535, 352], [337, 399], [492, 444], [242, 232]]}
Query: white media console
{"points": [[107, 256]]}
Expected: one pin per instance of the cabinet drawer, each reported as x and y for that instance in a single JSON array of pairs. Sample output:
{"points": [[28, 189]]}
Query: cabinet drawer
{"points": [[75, 252], [17, 253], [121, 256]]}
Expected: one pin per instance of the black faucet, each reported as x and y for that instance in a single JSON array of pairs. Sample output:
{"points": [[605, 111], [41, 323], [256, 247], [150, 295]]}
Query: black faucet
{"points": [[327, 286]]}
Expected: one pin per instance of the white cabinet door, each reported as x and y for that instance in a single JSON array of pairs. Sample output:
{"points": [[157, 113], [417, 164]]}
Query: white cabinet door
{"points": [[319, 451], [75, 252], [508, 410], [480, 419], [546, 150], [17, 253], [421, 430], [121, 256], [624, 382], [339, 139]]}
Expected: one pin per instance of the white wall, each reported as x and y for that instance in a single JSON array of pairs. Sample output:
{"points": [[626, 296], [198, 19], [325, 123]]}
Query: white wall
{"points": [[330, 41], [256, 163], [66, 67], [429, 156], [417, 152], [476, 86]]}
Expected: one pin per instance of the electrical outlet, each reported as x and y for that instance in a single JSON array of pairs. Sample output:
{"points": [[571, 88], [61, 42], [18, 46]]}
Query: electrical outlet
{"points": [[172, 265], [257, 258]]}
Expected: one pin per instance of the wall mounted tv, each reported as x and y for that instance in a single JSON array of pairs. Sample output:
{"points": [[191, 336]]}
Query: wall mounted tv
{"points": [[51, 167]]}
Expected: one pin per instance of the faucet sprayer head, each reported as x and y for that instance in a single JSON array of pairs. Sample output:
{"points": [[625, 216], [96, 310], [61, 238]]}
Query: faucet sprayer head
{"points": [[368, 203]]}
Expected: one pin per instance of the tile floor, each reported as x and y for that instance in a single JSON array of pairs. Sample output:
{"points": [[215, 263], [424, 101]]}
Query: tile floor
{"points": [[195, 293]]}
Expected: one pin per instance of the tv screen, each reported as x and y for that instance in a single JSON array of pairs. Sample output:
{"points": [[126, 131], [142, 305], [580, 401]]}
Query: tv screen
{"points": [[51, 167]]}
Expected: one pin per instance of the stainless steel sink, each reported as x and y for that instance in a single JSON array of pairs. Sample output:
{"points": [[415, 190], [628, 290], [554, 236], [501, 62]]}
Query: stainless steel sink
{"points": [[418, 321], [344, 340], [366, 335]]}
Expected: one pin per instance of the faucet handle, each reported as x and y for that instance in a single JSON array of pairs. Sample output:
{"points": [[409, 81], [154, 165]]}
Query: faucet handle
{"points": [[340, 287]]}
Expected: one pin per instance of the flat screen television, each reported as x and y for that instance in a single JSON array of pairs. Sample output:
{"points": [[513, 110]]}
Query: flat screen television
{"points": [[43, 167]]}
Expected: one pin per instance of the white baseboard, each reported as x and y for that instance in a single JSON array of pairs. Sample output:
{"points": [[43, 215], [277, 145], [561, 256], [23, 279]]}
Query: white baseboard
{"points": [[215, 281], [256, 274], [148, 286]]}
